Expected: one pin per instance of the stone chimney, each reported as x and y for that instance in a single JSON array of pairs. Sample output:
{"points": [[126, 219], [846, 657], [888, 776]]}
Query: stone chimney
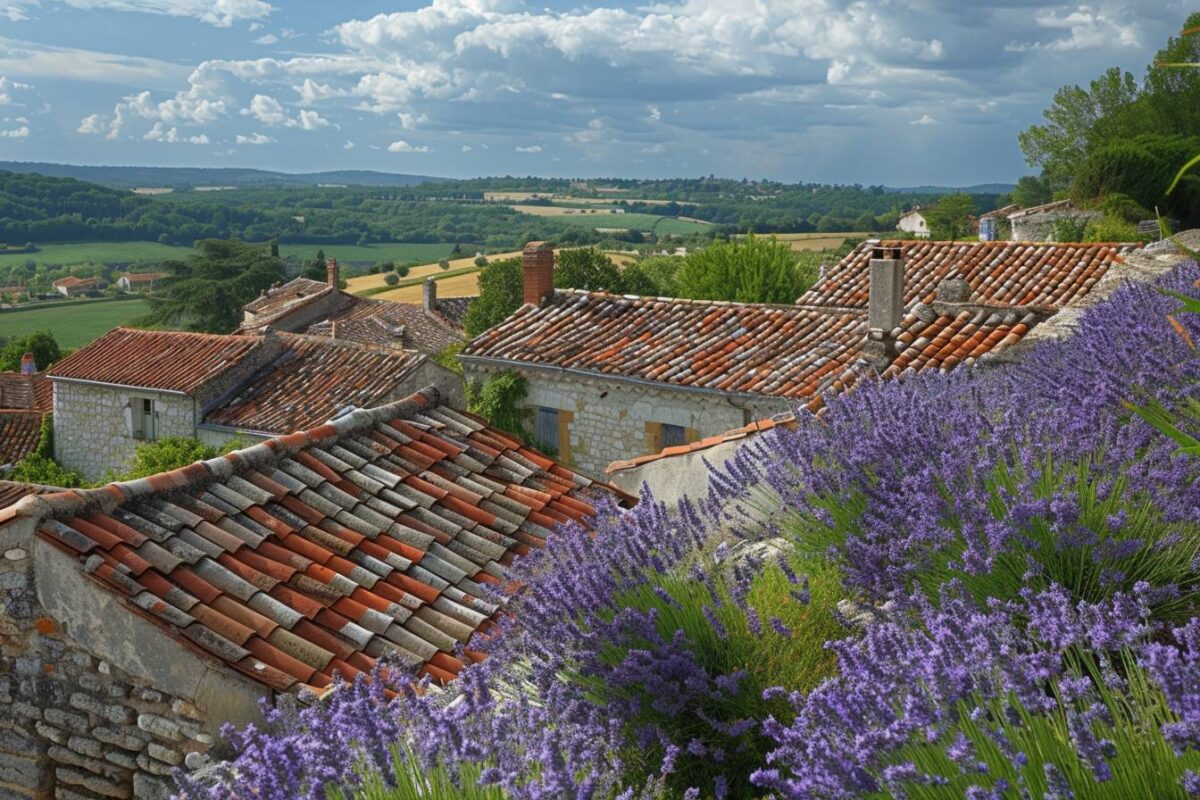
{"points": [[332, 273], [429, 296], [537, 272], [885, 304], [28, 364]]}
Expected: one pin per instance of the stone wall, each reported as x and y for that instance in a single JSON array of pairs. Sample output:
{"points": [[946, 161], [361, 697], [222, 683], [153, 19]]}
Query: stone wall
{"points": [[97, 702], [93, 430], [609, 417]]}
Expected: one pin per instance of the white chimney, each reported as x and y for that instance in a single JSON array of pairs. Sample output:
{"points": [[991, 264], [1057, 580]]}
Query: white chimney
{"points": [[429, 295], [885, 305]]}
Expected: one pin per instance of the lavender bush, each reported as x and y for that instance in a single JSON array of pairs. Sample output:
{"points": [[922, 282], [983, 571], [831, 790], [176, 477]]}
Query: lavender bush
{"points": [[1039, 546]]}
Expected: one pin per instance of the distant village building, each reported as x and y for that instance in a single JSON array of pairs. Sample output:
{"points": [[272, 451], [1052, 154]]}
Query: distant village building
{"points": [[1036, 224], [307, 306], [994, 224], [140, 281], [914, 222], [611, 378], [75, 287], [133, 386], [25, 399], [139, 618]]}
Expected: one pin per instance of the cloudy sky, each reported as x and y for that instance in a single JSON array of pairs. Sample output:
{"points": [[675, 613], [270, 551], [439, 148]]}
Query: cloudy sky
{"points": [[891, 91]]}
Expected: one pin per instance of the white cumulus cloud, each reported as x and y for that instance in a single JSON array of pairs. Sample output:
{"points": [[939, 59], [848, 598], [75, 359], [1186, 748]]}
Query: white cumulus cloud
{"points": [[93, 123], [535, 148], [15, 133], [221, 13], [161, 133], [254, 138], [401, 146]]}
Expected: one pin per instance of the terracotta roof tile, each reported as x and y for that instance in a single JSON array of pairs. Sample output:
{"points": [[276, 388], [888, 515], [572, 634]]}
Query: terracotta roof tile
{"points": [[311, 381], [20, 432], [166, 360], [999, 273], [291, 594]]}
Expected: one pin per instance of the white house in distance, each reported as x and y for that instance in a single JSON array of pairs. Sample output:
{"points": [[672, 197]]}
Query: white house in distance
{"points": [[139, 281], [74, 287], [914, 222]]}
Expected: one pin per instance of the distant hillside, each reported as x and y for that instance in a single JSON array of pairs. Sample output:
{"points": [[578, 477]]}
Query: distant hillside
{"points": [[979, 188], [184, 177]]}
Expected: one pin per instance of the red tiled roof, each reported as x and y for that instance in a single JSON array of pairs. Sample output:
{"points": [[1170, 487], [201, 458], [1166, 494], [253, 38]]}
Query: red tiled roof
{"points": [[388, 323], [145, 277], [311, 381], [358, 319], [323, 551], [73, 282], [20, 432], [779, 351], [166, 360], [999, 273], [288, 297], [786, 420], [26, 392]]}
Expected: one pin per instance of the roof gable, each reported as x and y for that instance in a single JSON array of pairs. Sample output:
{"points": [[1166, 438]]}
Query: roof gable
{"points": [[172, 361], [323, 551]]}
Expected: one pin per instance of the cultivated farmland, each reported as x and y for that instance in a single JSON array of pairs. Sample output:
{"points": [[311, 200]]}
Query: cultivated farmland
{"points": [[74, 324]]}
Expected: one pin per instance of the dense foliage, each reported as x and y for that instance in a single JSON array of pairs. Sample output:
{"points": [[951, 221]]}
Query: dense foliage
{"points": [[752, 269], [42, 344], [1123, 135], [207, 292], [1021, 559]]}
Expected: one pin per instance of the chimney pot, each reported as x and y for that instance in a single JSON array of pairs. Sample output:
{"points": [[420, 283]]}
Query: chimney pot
{"points": [[885, 305], [28, 364], [429, 295], [332, 272], [537, 272]]}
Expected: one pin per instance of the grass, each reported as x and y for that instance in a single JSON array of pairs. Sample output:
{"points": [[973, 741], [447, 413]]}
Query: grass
{"points": [[73, 325], [399, 252], [606, 221], [128, 252], [96, 253]]}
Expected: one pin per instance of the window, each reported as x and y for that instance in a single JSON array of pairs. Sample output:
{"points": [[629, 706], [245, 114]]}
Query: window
{"points": [[546, 431], [145, 419], [673, 435]]}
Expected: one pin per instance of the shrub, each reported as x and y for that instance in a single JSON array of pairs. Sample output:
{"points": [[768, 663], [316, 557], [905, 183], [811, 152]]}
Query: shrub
{"points": [[499, 400], [1111, 229], [166, 454], [481, 261], [1068, 229], [444, 263], [391, 279]]}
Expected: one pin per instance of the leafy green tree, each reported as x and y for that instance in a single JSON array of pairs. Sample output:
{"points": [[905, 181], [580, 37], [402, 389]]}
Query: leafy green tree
{"points": [[444, 263], [391, 279], [481, 261], [45, 471], [315, 270], [384, 267], [751, 269], [501, 292], [950, 217], [42, 344], [1142, 168], [587, 268], [500, 400], [662, 271], [1077, 120], [1031, 190], [207, 292], [403, 270]]}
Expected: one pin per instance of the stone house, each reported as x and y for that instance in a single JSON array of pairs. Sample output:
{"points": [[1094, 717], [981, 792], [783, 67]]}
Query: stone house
{"points": [[307, 306], [1036, 224], [140, 281], [140, 617], [914, 222], [677, 472], [75, 287], [994, 224], [133, 386], [611, 377]]}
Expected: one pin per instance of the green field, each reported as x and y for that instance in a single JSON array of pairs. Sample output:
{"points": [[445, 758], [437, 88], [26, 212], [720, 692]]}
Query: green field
{"points": [[640, 222], [73, 325], [96, 253], [388, 251], [128, 252]]}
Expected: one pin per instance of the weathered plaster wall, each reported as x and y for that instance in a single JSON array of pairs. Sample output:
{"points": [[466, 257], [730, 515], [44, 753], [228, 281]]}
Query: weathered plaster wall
{"points": [[93, 425], [609, 417], [672, 479], [95, 701]]}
